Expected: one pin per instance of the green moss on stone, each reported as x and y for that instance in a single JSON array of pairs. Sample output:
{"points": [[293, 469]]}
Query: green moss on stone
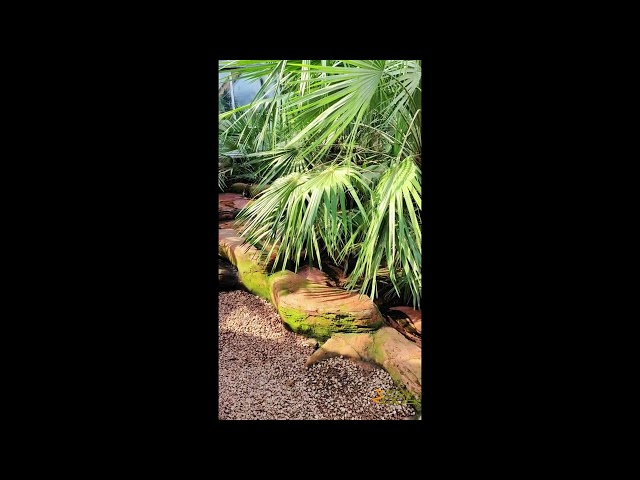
{"points": [[320, 327], [375, 351], [342, 323], [256, 283], [291, 315], [253, 278], [300, 322], [246, 263], [238, 187]]}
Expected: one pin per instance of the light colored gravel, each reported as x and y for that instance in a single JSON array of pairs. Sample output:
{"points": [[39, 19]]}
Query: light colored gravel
{"points": [[262, 375]]}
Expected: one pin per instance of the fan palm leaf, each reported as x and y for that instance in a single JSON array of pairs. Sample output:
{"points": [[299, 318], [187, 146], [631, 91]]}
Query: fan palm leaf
{"points": [[340, 143]]}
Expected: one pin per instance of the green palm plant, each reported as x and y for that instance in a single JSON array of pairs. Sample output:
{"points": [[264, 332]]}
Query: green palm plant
{"points": [[338, 142]]}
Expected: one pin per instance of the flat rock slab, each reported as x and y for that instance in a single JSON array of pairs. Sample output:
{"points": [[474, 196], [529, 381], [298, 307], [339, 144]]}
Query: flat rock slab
{"points": [[231, 247], [230, 204], [315, 275], [226, 224], [386, 348], [231, 224], [319, 310], [235, 199]]}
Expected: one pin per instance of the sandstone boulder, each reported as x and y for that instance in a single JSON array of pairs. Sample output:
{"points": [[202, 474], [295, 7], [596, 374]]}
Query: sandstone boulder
{"points": [[315, 275], [239, 188], [320, 311], [230, 204], [251, 272]]}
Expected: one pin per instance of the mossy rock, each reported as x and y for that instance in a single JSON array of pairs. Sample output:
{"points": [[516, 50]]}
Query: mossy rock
{"points": [[307, 308], [317, 327], [255, 282], [239, 187], [319, 311], [251, 273]]}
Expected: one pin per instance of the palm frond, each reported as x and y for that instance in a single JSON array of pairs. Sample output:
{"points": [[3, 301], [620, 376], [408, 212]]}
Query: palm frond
{"points": [[394, 235], [340, 143], [298, 209]]}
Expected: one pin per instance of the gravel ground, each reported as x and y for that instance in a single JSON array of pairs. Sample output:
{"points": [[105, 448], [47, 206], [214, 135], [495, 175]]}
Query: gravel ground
{"points": [[262, 375]]}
